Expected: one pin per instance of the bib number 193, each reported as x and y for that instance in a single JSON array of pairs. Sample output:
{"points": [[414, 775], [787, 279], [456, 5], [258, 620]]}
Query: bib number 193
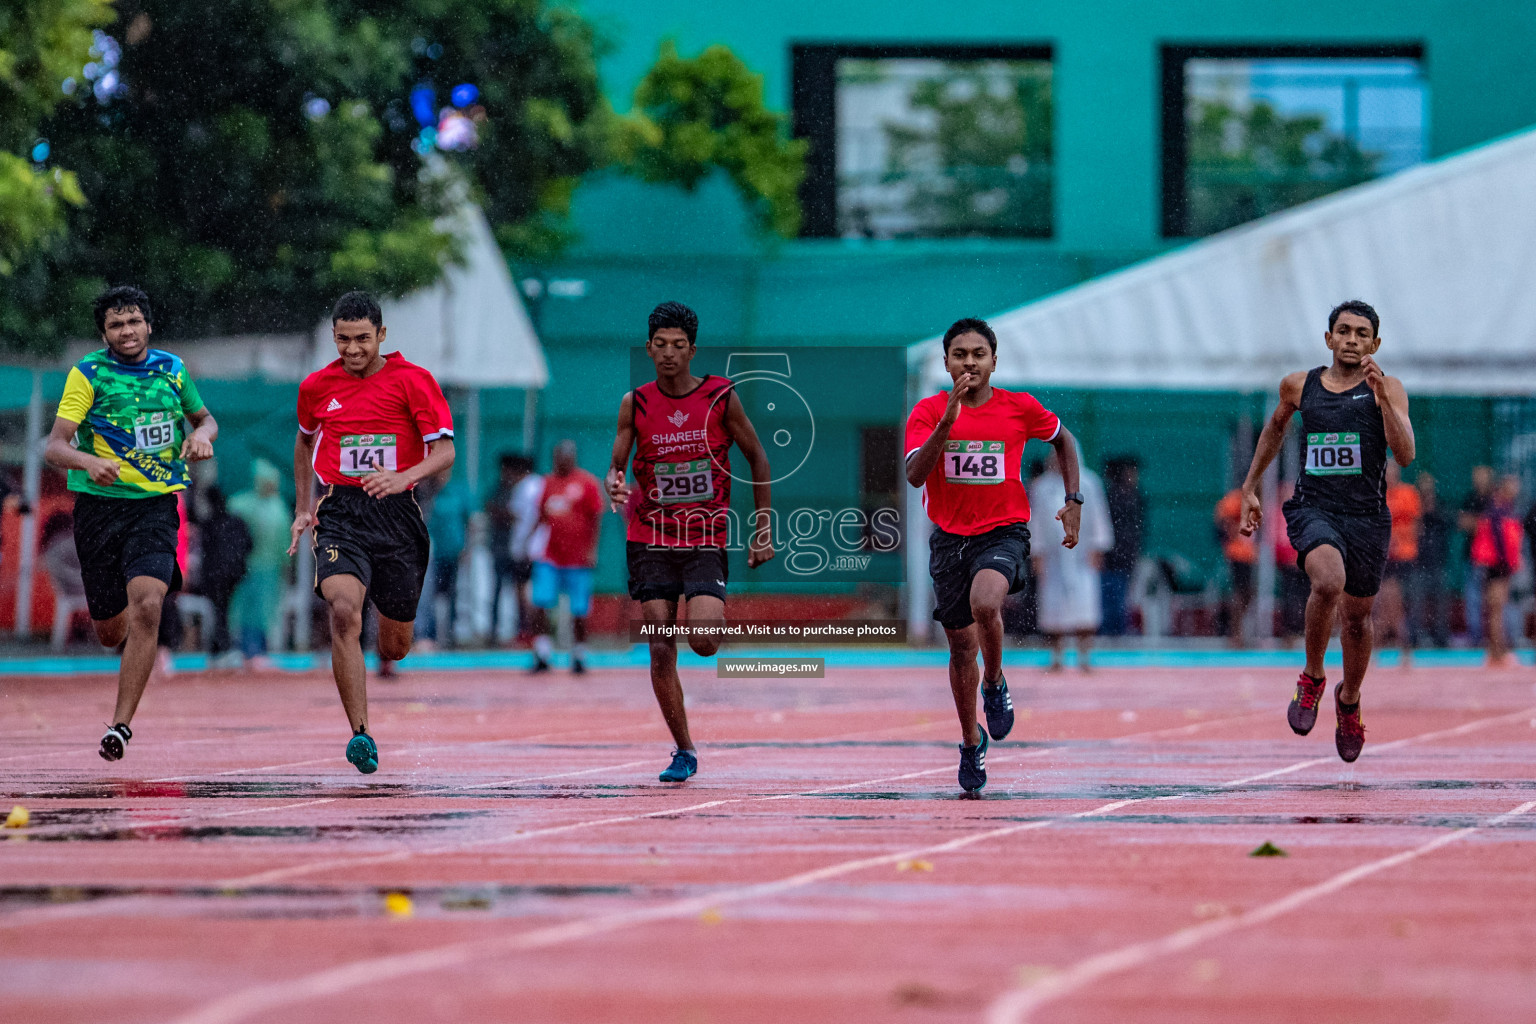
{"points": [[154, 431], [1333, 455], [974, 462], [362, 454]]}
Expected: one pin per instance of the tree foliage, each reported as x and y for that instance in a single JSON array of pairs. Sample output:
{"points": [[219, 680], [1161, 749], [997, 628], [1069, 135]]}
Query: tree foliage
{"points": [[42, 43], [1242, 164]]}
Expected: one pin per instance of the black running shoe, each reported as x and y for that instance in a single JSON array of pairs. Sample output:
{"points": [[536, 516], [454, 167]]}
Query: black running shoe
{"points": [[115, 742], [1302, 714], [999, 708], [578, 667], [973, 765], [540, 666], [1349, 733]]}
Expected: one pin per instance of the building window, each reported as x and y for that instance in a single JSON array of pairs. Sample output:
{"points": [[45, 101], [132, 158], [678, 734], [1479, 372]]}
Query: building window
{"points": [[925, 141], [1250, 131]]}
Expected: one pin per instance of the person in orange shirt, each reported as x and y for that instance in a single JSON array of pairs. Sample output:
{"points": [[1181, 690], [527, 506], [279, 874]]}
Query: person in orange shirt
{"points": [[1241, 553], [1407, 512]]}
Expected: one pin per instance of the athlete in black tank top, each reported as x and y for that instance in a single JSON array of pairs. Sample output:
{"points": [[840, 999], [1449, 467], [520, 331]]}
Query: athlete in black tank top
{"points": [[1351, 413]]}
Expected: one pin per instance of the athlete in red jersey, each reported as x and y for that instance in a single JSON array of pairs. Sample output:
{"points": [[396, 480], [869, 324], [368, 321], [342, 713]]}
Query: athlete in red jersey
{"points": [[570, 519], [965, 451], [681, 428], [370, 427]]}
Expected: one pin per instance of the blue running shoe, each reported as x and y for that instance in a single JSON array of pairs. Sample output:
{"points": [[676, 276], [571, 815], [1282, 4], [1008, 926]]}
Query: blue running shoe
{"points": [[363, 753], [973, 765], [999, 707], [684, 764]]}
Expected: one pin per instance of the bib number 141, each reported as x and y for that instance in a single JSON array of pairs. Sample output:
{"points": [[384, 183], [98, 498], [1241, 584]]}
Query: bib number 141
{"points": [[362, 454]]}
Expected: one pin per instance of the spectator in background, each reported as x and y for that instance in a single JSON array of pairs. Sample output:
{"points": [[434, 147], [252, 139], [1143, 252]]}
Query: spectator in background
{"points": [[1496, 553], [1241, 553], [448, 526], [1294, 586], [61, 560], [1428, 607], [1070, 592], [526, 497], [257, 607], [1127, 518], [570, 513], [1391, 608], [498, 513], [226, 544], [1472, 509]]}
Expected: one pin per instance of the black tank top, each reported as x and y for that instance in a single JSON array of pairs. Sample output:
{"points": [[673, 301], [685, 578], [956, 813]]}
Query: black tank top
{"points": [[1343, 449]]}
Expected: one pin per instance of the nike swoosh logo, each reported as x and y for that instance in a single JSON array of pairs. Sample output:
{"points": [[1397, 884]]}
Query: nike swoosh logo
{"points": [[1358, 397]]}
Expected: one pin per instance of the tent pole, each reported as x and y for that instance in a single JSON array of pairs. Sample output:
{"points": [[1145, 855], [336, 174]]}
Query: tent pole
{"points": [[32, 484], [919, 620], [472, 441], [1264, 600], [530, 411]]}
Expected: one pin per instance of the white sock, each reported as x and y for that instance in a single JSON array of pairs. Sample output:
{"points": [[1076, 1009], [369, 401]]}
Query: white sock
{"points": [[543, 646]]}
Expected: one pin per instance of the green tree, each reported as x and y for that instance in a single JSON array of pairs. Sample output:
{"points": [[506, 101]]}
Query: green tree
{"points": [[1242, 164], [42, 43], [979, 162]]}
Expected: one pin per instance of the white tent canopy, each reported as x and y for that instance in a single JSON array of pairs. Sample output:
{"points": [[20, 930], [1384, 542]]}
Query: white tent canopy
{"points": [[1446, 252], [470, 329]]}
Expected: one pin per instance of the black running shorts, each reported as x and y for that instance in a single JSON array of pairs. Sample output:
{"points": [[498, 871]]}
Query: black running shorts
{"points": [[664, 574], [954, 561], [120, 538], [1362, 540], [381, 541]]}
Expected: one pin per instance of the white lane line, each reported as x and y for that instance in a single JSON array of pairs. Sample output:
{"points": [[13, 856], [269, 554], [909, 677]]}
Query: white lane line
{"points": [[261, 998], [1015, 1007]]}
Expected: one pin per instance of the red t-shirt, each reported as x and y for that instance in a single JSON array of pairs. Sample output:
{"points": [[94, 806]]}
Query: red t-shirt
{"points": [[975, 487], [571, 507], [367, 424]]}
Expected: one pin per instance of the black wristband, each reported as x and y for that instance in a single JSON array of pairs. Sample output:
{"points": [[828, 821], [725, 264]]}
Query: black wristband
{"points": [[1076, 496]]}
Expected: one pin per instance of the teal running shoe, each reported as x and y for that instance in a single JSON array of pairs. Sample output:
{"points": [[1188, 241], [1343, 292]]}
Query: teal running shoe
{"points": [[363, 753], [684, 764], [973, 765], [998, 705]]}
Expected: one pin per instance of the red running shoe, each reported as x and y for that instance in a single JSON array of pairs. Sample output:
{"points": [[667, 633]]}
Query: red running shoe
{"points": [[1349, 734], [1302, 714]]}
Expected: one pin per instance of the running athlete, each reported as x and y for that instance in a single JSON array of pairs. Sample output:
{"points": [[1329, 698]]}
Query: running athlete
{"points": [[121, 435], [681, 429], [965, 450], [371, 427], [1338, 520]]}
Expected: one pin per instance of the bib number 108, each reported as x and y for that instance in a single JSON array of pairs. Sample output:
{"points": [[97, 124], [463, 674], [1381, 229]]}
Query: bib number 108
{"points": [[1333, 455]]}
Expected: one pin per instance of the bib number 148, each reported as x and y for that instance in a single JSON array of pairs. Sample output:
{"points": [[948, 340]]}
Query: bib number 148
{"points": [[974, 462]]}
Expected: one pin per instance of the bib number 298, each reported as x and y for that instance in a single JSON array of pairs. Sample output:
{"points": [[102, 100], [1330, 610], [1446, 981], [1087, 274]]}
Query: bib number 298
{"points": [[680, 482], [362, 454]]}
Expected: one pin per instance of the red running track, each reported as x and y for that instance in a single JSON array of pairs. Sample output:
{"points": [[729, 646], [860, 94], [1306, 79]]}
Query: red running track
{"points": [[516, 859]]}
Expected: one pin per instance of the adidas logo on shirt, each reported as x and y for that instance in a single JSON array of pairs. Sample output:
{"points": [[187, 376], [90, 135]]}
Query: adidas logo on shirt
{"points": [[333, 406]]}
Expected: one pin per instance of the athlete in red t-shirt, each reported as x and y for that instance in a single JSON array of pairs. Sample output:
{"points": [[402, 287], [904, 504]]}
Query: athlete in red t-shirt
{"points": [[570, 514], [681, 428], [370, 427], [965, 451]]}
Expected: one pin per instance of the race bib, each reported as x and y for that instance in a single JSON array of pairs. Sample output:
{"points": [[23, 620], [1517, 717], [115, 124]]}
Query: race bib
{"points": [[362, 454], [154, 431], [973, 462], [684, 482], [1333, 455]]}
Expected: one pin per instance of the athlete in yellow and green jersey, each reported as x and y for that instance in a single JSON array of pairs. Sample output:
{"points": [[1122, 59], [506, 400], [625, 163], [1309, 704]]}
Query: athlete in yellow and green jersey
{"points": [[121, 435]]}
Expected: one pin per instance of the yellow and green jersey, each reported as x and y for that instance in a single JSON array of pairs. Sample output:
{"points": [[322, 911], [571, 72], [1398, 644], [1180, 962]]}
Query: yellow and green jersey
{"points": [[131, 413]]}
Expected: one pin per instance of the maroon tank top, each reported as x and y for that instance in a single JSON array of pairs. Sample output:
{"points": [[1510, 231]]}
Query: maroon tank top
{"points": [[682, 465]]}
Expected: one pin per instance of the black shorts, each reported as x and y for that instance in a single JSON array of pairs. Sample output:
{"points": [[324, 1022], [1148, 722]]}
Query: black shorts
{"points": [[664, 574], [1362, 540], [954, 561], [120, 538], [381, 541]]}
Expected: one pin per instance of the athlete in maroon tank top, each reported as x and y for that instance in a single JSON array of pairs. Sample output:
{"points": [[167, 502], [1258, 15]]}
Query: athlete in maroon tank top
{"points": [[680, 428]]}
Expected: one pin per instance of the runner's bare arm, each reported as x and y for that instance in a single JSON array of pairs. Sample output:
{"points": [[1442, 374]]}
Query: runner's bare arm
{"points": [[303, 488], [1070, 513], [62, 453], [1271, 440], [440, 455], [618, 463], [199, 444], [925, 458], [760, 548], [1392, 399]]}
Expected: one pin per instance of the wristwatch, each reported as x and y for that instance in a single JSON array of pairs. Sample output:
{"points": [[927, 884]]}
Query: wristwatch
{"points": [[1076, 496]]}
